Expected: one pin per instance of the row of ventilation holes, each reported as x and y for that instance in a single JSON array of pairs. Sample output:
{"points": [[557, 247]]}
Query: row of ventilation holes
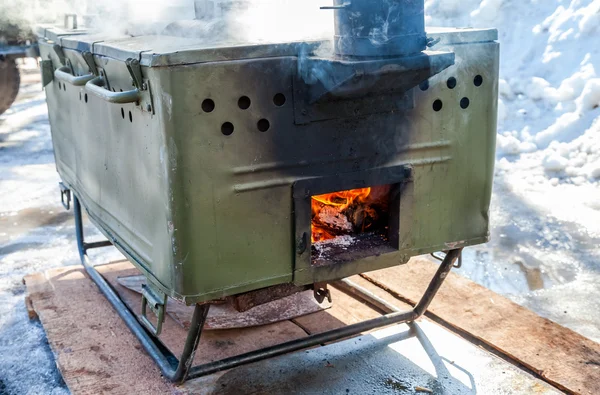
{"points": [[227, 128], [451, 84], [208, 105]]}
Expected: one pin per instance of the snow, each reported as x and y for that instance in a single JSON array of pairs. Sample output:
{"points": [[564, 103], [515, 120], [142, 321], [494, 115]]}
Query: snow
{"points": [[36, 234], [545, 212]]}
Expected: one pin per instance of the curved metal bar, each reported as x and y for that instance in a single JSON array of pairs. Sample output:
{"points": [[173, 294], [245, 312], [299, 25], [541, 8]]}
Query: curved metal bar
{"points": [[168, 364], [336, 334], [64, 74], [96, 87]]}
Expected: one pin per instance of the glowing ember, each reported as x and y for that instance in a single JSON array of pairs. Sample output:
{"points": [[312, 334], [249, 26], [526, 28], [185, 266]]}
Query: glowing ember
{"points": [[339, 213]]}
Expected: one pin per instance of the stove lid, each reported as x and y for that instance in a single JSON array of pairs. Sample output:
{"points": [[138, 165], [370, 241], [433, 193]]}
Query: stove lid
{"points": [[156, 51], [53, 33], [465, 35], [86, 42], [162, 50]]}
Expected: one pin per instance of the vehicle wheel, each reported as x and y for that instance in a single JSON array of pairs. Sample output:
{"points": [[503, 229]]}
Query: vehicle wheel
{"points": [[9, 83]]}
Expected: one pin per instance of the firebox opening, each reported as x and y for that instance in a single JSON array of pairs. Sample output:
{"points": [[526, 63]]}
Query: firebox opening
{"points": [[353, 224]]}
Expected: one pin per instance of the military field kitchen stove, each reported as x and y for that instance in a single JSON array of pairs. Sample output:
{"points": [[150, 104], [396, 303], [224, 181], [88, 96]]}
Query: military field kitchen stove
{"points": [[249, 172]]}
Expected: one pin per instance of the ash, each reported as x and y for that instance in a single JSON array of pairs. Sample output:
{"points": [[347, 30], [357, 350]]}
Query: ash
{"points": [[325, 246]]}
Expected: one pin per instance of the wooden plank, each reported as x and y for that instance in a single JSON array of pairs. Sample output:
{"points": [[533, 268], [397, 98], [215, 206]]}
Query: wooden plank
{"points": [[225, 316], [94, 350], [344, 311], [566, 359], [214, 345]]}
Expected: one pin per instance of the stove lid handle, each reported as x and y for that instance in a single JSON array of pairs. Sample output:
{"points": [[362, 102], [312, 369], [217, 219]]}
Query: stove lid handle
{"points": [[95, 86], [64, 74]]}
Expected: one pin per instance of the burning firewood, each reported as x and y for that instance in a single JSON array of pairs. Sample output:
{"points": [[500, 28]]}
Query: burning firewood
{"points": [[334, 219], [348, 212]]}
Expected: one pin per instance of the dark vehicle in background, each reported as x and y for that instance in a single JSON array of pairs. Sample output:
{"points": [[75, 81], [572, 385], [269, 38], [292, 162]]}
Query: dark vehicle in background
{"points": [[16, 42]]}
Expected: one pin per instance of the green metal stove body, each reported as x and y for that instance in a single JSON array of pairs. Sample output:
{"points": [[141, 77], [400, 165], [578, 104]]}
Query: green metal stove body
{"points": [[199, 162]]}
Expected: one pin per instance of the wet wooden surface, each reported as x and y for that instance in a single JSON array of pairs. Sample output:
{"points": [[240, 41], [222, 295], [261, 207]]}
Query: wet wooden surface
{"points": [[96, 353], [562, 357]]}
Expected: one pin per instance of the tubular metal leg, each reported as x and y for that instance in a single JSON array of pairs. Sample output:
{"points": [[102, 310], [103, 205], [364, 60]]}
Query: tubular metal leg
{"points": [[180, 370], [173, 369]]}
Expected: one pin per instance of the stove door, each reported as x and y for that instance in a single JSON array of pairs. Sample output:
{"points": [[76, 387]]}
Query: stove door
{"points": [[354, 249]]}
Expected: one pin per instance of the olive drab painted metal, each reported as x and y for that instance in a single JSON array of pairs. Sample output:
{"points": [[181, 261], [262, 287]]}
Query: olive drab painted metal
{"points": [[205, 197]]}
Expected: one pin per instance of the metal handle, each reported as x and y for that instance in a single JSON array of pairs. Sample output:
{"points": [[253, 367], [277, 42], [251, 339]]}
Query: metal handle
{"points": [[96, 86], [157, 302], [64, 74]]}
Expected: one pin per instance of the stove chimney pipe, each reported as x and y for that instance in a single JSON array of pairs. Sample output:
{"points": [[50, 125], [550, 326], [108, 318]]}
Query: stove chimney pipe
{"points": [[379, 28]]}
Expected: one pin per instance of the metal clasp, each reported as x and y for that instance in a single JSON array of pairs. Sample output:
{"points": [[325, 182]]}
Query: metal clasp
{"points": [[321, 292], [457, 265], [65, 196], [157, 302]]}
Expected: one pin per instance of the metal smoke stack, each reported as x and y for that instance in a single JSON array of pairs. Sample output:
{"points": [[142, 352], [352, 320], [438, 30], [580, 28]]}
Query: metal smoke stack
{"points": [[369, 28]]}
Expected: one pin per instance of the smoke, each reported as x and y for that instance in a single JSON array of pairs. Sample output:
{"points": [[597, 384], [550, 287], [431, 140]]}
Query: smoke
{"points": [[228, 21], [17, 18], [231, 21]]}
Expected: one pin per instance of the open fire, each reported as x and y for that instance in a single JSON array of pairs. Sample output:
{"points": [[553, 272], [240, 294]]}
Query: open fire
{"points": [[351, 212]]}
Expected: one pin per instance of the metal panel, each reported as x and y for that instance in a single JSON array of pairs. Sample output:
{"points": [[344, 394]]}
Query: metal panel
{"points": [[207, 214]]}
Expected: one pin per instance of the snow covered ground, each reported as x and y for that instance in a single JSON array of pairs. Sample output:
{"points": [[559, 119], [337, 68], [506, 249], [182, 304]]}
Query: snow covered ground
{"points": [[544, 251], [545, 248], [36, 234]]}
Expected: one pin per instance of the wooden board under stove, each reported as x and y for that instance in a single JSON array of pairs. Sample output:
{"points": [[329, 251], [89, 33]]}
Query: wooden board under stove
{"points": [[96, 353]]}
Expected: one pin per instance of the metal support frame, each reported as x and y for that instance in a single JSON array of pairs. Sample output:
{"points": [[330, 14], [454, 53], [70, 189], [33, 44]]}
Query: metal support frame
{"points": [[179, 370]]}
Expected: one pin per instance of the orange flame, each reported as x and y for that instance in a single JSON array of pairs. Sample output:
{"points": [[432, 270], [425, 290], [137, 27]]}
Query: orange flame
{"points": [[341, 201]]}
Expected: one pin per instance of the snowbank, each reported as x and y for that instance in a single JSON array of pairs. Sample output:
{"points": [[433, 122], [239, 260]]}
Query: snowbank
{"points": [[545, 214], [549, 87]]}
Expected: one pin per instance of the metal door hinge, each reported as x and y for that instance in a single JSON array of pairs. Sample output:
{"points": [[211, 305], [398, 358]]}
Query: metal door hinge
{"points": [[60, 54], [89, 60], [157, 301], [135, 70]]}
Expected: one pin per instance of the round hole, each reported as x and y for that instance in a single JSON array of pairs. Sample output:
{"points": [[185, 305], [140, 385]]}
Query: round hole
{"points": [[464, 102], [263, 125], [122, 113], [59, 86], [244, 102], [279, 99], [85, 97], [208, 105], [424, 85], [113, 89], [227, 128], [478, 80], [451, 83], [65, 87], [79, 95], [437, 105], [130, 117]]}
